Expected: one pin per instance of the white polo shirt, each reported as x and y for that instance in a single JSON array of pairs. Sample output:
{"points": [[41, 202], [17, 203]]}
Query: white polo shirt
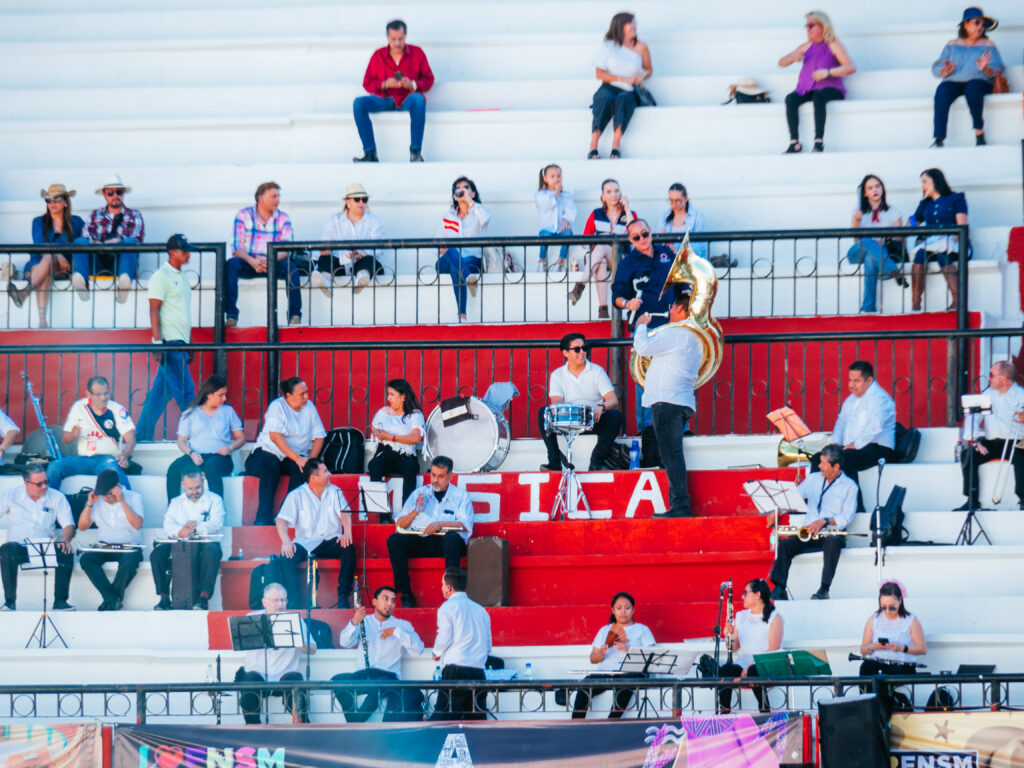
{"points": [[207, 512], [315, 520], [112, 521], [299, 428], [28, 519], [589, 388], [93, 441]]}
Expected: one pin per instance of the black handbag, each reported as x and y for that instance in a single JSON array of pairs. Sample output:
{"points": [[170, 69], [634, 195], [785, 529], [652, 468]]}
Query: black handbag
{"points": [[643, 97]]}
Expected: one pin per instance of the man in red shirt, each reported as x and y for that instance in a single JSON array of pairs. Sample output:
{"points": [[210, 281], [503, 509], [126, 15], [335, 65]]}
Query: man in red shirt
{"points": [[396, 78]]}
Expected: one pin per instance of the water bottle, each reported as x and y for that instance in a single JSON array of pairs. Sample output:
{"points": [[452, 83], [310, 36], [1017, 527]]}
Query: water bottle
{"points": [[238, 557], [437, 672], [958, 451], [528, 672], [634, 455]]}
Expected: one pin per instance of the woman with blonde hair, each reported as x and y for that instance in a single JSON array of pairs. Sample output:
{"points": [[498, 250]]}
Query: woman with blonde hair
{"points": [[825, 64], [353, 222]]}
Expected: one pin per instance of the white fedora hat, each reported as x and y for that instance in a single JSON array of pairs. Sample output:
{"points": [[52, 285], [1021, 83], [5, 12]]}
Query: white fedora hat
{"points": [[114, 180]]}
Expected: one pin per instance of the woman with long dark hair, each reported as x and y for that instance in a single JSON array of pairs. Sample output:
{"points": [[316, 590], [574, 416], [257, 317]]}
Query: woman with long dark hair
{"points": [[892, 635], [209, 431], [611, 644], [399, 428], [621, 63], [466, 218], [681, 218], [940, 206], [756, 629], [881, 258]]}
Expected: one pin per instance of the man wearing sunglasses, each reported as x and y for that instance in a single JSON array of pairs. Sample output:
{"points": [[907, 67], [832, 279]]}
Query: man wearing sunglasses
{"points": [[32, 510], [114, 223], [583, 382]]}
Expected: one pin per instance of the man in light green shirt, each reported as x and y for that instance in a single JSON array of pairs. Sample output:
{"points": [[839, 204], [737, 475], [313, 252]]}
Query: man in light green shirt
{"points": [[170, 306]]}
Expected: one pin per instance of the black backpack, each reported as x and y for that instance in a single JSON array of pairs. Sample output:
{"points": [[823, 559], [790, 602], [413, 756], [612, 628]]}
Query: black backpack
{"points": [[907, 443], [343, 451], [262, 575], [891, 519]]}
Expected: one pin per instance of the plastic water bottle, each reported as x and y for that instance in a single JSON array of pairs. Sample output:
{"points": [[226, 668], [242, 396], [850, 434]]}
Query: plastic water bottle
{"points": [[238, 556], [634, 455], [437, 672], [528, 672]]}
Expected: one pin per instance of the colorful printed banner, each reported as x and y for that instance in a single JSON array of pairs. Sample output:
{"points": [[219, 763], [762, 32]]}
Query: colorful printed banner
{"points": [[958, 740], [51, 746]]}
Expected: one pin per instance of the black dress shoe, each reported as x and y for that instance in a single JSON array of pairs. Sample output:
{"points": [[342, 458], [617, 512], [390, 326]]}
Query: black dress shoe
{"points": [[369, 156], [201, 604], [821, 594], [779, 593], [674, 513], [966, 507], [550, 467], [414, 156], [408, 601], [163, 605], [344, 601]]}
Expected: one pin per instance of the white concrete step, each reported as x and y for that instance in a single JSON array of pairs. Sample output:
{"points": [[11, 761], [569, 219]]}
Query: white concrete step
{"points": [[936, 486]]}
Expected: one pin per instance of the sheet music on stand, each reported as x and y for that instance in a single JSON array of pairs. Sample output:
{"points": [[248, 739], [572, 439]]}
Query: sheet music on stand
{"points": [[265, 631], [374, 497], [649, 661], [775, 497], [789, 423], [42, 553]]}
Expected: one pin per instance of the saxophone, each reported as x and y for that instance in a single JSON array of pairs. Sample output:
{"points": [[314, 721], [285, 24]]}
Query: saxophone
{"points": [[690, 268]]}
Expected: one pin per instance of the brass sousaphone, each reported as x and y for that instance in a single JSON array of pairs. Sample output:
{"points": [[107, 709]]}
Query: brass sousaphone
{"points": [[698, 273]]}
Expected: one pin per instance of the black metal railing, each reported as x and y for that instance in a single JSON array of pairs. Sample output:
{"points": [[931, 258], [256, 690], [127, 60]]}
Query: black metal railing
{"points": [[663, 697], [921, 369], [100, 303]]}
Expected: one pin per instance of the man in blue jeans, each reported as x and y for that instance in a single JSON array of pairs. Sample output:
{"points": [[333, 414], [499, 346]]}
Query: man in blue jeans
{"points": [[170, 305], [396, 78]]}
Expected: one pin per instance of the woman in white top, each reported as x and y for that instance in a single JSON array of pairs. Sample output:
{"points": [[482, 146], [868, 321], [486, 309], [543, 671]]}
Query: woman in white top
{"points": [[466, 218], [399, 428], [354, 222], [621, 62], [879, 257], [611, 644], [557, 213], [209, 431], [892, 635], [292, 432], [756, 629], [682, 218]]}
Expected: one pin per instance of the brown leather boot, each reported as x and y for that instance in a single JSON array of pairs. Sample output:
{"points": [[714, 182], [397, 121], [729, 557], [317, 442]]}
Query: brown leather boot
{"points": [[916, 286], [949, 272]]}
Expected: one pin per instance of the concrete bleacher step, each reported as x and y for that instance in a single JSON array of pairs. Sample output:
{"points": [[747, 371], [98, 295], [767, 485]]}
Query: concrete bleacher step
{"points": [[934, 486]]}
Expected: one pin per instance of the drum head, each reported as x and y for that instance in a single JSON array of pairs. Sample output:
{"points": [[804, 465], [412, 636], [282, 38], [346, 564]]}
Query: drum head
{"points": [[470, 444]]}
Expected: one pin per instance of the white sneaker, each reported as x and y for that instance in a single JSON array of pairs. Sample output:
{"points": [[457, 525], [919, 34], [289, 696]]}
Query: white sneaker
{"points": [[124, 285], [81, 286], [471, 282], [317, 280], [362, 280]]}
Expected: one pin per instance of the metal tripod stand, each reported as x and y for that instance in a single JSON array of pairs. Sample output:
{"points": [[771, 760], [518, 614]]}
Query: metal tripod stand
{"points": [[569, 493]]}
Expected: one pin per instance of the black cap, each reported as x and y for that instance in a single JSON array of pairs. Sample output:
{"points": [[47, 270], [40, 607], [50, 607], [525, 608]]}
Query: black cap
{"points": [[106, 481], [180, 243]]}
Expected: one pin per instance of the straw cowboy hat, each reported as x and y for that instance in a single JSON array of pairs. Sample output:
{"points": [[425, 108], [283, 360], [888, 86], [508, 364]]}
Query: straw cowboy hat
{"points": [[54, 191], [355, 190], [114, 181]]}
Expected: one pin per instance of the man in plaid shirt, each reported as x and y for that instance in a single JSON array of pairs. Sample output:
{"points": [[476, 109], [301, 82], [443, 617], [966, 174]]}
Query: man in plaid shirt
{"points": [[113, 223], [256, 226]]}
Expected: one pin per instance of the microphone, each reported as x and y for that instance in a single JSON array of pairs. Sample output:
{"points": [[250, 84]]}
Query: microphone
{"points": [[724, 586], [881, 463]]}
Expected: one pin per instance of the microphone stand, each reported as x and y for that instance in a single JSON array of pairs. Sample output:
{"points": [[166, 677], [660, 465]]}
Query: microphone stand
{"points": [[879, 551], [310, 578], [718, 628]]}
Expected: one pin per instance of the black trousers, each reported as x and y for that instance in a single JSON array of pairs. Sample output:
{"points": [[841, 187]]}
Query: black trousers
{"points": [[790, 547], [252, 702], [402, 546], [214, 468], [820, 99], [613, 105], [387, 461], [871, 668], [13, 554], [606, 428], [458, 705], [947, 92], [209, 555], [326, 550], [401, 706], [995, 451], [268, 468], [855, 460], [581, 702], [127, 566], [669, 423], [725, 694], [332, 265]]}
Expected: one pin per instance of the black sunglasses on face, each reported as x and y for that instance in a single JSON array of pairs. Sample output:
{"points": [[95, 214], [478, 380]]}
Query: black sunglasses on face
{"points": [[575, 349], [359, 199], [640, 236], [114, 192]]}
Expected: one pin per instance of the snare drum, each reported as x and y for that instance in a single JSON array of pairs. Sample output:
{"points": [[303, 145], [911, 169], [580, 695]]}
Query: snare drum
{"points": [[568, 418], [479, 444]]}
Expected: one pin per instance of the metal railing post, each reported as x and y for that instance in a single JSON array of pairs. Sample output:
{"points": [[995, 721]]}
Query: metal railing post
{"points": [[615, 369], [220, 360], [273, 334]]}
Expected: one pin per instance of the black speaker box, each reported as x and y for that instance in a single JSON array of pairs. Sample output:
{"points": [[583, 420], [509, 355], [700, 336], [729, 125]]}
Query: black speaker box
{"points": [[853, 733], [487, 571]]}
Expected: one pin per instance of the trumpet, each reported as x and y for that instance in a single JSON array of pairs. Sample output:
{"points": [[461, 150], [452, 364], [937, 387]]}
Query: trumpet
{"points": [[803, 533], [1009, 445]]}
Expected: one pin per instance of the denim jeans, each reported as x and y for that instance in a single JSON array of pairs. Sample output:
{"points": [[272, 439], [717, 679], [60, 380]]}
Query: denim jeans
{"points": [[669, 422], [173, 379], [643, 415], [876, 260], [56, 471], [239, 269], [459, 267], [563, 251], [414, 104], [85, 263]]}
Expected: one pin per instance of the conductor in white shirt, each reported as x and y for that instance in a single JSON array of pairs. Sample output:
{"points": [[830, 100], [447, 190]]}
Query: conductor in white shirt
{"points": [[462, 645], [195, 512], [997, 427], [831, 501], [668, 391], [118, 514], [387, 639], [323, 529], [586, 383]]}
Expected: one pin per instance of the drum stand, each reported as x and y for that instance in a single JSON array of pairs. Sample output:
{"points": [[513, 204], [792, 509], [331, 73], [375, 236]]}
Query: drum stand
{"points": [[570, 492]]}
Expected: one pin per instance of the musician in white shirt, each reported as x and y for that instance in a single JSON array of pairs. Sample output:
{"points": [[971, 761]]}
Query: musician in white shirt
{"points": [[104, 436], [675, 356], [866, 427], [323, 529], [118, 515], [998, 427], [274, 665], [442, 514], [32, 511], [387, 640], [9, 430], [196, 512], [585, 383], [462, 646], [831, 501]]}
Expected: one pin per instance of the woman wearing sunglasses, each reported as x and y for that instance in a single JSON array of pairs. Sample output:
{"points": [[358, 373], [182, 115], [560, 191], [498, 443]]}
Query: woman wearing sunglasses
{"points": [[892, 635], [354, 222]]}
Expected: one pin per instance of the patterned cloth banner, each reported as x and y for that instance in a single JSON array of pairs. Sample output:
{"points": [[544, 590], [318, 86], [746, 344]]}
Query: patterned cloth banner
{"points": [[957, 740], [51, 746]]}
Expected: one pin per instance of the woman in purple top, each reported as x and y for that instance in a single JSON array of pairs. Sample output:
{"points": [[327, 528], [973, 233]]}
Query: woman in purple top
{"points": [[826, 63]]}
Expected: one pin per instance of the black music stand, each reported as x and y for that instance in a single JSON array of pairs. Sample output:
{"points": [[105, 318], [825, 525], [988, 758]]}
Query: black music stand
{"points": [[647, 662], [42, 556], [266, 631], [972, 406]]}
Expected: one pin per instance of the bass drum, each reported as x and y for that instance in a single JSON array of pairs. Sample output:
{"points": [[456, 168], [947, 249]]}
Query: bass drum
{"points": [[479, 444]]}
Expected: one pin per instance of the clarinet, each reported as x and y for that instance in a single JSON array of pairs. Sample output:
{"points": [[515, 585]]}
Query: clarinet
{"points": [[50, 439], [358, 603], [730, 618]]}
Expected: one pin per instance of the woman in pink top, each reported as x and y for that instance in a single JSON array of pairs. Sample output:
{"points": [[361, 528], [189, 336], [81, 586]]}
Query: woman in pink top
{"points": [[826, 63]]}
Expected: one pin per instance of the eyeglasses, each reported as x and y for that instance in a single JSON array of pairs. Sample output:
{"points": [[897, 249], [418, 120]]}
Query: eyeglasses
{"points": [[99, 394], [575, 349], [359, 199], [113, 192], [38, 483], [640, 236]]}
